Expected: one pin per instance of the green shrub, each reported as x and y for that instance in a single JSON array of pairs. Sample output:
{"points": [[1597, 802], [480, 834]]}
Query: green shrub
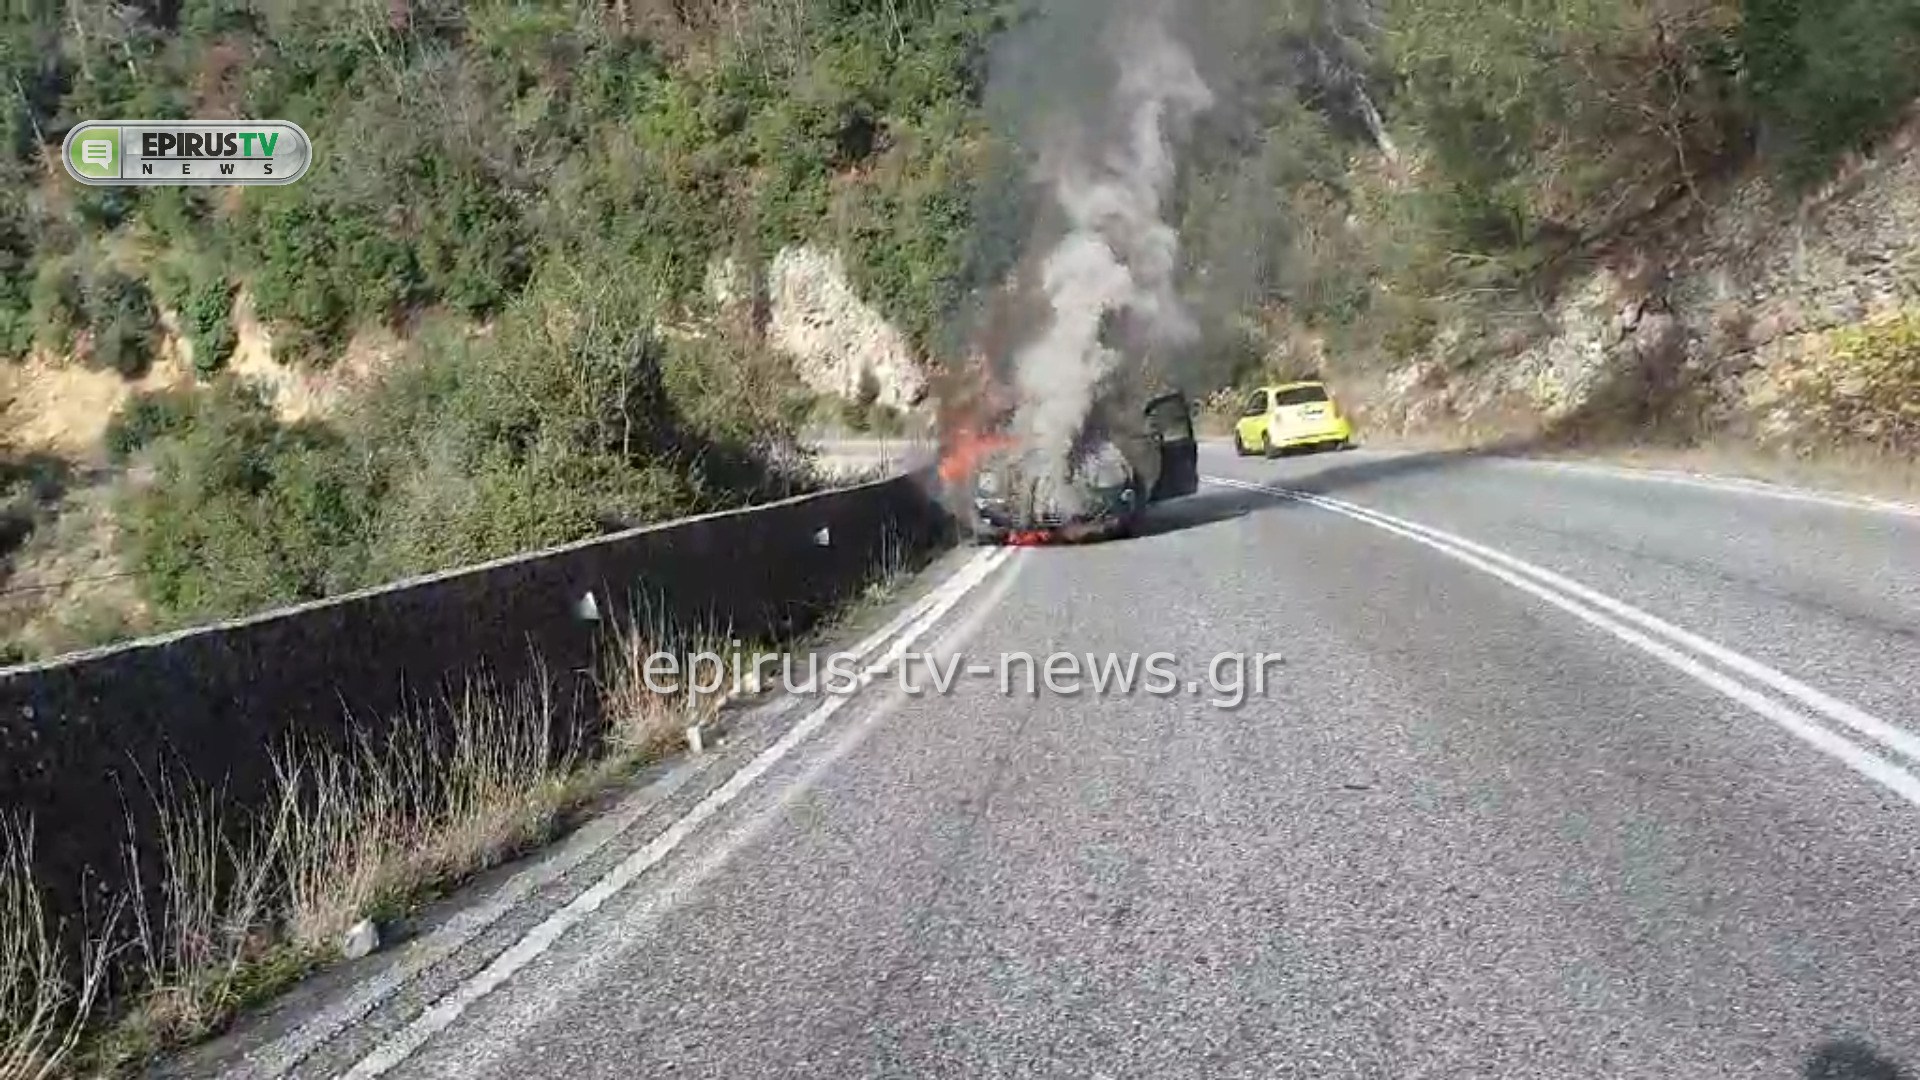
{"points": [[122, 321], [1829, 75], [1864, 386], [572, 414], [323, 266], [146, 417], [473, 250], [245, 512], [58, 301], [114, 308], [207, 316]]}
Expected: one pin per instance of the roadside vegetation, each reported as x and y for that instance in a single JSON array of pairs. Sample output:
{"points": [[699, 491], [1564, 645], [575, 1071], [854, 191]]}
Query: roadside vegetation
{"points": [[531, 196], [251, 900], [1442, 164]]}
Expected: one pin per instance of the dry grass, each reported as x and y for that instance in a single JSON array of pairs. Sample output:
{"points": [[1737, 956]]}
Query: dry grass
{"points": [[352, 832], [214, 921], [648, 711], [42, 1011], [646, 715], [1862, 384], [378, 825], [892, 571], [62, 408], [354, 835]]}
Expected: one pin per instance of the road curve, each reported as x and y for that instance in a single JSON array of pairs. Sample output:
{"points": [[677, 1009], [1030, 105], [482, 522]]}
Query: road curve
{"points": [[1563, 773]]}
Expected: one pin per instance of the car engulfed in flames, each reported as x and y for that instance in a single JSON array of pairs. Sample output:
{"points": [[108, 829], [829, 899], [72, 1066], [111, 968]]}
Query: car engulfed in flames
{"points": [[1135, 448], [1101, 497]]}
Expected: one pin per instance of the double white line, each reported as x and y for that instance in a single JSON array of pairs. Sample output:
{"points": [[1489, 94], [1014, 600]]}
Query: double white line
{"points": [[1788, 702], [878, 652]]}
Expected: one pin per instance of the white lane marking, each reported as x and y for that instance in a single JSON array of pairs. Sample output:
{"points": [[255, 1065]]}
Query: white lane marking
{"points": [[1543, 584], [614, 939], [1735, 485], [280, 1057], [1726, 485], [1893, 737], [542, 936]]}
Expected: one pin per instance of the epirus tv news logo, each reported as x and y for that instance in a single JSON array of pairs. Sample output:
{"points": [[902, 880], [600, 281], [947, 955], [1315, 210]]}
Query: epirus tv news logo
{"points": [[117, 152]]}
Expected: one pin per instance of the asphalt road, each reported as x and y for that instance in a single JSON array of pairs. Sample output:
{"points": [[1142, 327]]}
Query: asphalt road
{"points": [[1651, 817]]}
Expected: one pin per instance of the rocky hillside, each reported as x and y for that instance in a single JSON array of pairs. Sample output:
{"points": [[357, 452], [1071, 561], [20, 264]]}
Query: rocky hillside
{"points": [[67, 586], [1686, 225], [1762, 319], [485, 330]]}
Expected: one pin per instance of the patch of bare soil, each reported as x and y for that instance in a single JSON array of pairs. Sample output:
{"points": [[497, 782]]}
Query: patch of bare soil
{"points": [[57, 406], [64, 589], [299, 394]]}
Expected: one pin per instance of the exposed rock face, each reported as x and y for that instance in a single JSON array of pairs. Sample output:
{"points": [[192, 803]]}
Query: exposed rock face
{"points": [[1708, 324], [836, 340]]}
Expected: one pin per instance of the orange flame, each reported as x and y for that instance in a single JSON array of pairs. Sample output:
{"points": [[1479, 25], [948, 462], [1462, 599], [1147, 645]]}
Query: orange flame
{"points": [[965, 449], [972, 408]]}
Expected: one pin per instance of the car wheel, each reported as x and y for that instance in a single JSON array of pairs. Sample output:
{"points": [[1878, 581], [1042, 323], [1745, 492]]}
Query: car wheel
{"points": [[1240, 447]]}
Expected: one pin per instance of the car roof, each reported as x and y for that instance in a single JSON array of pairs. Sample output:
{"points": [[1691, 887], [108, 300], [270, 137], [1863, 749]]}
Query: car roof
{"points": [[1294, 385]]}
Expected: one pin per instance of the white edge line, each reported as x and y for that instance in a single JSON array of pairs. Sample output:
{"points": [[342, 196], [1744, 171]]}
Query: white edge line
{"points": [[542, 936], [1900, 741], [1732, 485], [1861, 760], [719, 849], [280, 1057]]}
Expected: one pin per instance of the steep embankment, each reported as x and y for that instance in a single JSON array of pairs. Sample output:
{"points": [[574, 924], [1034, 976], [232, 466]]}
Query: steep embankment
{"points": [[485, 329], [1762, 323], [68, 586]]}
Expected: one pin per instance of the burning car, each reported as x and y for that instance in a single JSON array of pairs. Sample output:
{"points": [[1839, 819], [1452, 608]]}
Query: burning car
{"points": [[1113, 472]]}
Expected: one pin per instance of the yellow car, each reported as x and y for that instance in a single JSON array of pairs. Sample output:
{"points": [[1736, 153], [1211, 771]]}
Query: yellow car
{"points": [[1291, 416]]}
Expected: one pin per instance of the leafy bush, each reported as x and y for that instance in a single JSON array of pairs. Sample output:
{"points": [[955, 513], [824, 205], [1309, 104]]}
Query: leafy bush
{"points": [[195, 286], [321, 266], [16, 277], [207, 316], [1864, 386], [113, 308], [474, 252], [146, 417], [570, 416], [1829, 75], [244, 512], [1567, 116], [121, 319], [58, 304]]}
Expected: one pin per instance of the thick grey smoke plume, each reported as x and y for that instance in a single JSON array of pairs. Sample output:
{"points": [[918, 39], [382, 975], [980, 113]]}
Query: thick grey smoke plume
{"points": [[1106, 154]]}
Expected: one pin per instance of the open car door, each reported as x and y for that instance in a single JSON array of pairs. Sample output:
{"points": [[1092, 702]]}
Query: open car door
{"points": [[1171, 422]]}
